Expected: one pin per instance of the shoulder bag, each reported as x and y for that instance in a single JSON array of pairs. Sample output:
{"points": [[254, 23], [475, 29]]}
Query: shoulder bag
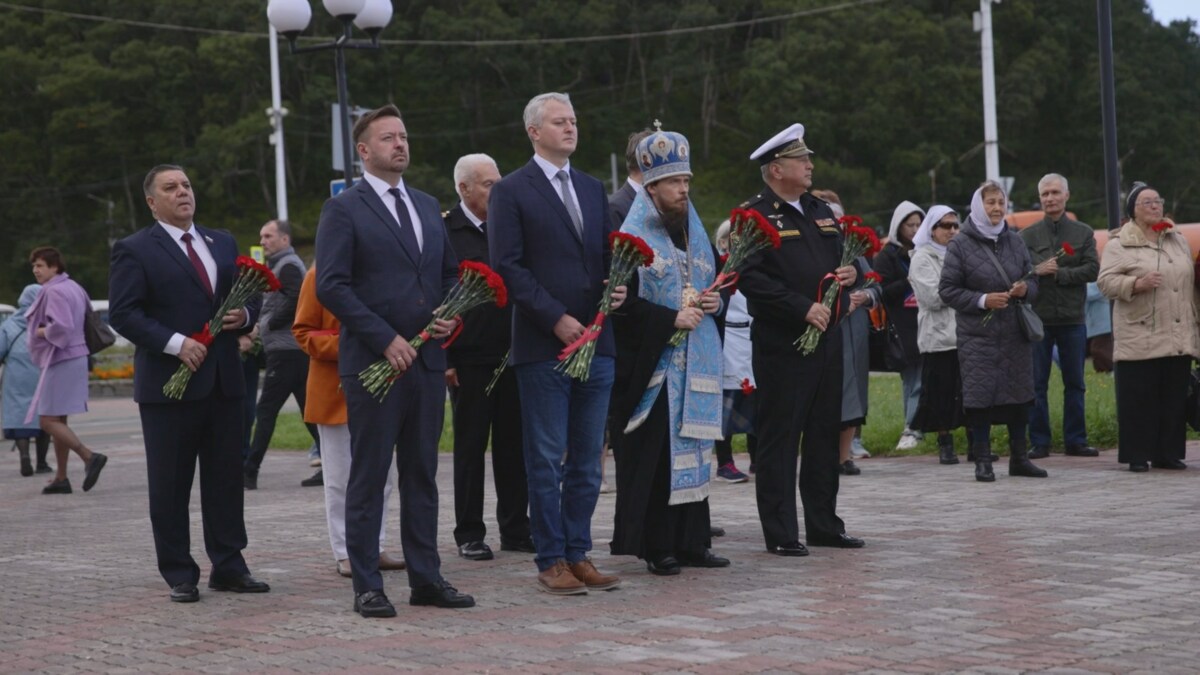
{"points": [[1028, 320]]}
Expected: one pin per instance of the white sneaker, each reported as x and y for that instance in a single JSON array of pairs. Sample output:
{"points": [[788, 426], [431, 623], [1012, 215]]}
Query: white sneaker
{"points": [[605, 488], [857, 450], [908, 441]]}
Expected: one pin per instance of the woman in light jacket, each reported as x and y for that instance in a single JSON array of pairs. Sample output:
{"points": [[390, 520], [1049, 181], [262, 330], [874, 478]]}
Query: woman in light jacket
{"points": [[940, 408], [1147, 269], [20, 381], [58, 347], [986, 277]]}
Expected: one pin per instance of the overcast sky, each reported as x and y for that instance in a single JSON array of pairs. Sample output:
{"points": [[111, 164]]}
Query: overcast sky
{"points": [[1167, 10]]}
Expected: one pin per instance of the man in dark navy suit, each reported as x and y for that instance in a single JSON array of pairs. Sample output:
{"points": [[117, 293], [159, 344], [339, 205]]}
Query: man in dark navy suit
{"points": [[548, 238], [165, 283], [384, 264]]}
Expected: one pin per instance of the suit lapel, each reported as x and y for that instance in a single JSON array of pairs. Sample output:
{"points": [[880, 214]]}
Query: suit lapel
{"points": [[372, 200], [167, 242], [550, 193]]}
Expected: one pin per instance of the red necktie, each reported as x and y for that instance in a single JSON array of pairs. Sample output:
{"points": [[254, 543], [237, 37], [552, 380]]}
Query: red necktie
{"points": [[198, 264]]}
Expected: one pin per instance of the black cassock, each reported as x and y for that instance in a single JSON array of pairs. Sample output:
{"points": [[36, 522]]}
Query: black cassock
{"points": [[645, 525]]}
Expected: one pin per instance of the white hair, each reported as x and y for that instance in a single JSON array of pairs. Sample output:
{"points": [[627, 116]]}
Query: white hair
{"points": [[533, 109], [467, 166], [722, 233], [1050, 178]]}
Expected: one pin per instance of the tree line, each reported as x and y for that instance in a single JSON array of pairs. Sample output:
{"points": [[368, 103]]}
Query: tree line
{"points": [[98, 91]]}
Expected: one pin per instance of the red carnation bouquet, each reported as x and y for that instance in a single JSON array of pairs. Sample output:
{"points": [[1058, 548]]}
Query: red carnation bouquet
{"points": [[629, 252], [253, 278], [749, 233], [1062, 252], [860, 240], [477, 285]]}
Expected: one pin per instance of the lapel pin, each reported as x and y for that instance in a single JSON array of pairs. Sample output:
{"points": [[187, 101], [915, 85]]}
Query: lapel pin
{"points": [[208, 239]]}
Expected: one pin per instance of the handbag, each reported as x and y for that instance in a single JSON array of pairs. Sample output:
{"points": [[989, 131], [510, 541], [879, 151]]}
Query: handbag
{"points": [[96, 334], [887, 353], [1027, 320]]}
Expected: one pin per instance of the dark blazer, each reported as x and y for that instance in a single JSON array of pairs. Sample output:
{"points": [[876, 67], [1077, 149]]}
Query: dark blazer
{"points": [[549, 271], [371, 283], [154, 292], [620, 203], [487, 331]]}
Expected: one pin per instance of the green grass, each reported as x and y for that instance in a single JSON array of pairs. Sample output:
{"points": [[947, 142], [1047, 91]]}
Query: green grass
{"points": [[885, 420]]}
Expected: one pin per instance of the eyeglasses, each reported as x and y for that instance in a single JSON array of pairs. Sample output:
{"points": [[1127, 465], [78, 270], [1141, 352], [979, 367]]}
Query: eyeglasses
{"points": [[947, 226], [1152, 202]]}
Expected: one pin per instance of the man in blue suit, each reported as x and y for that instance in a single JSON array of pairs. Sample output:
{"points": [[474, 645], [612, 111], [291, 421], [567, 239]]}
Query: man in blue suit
{"points": [[165, 283], [384, 263], [549, 241]]}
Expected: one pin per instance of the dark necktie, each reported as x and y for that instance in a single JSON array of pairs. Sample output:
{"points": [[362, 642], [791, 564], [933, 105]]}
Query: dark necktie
{"points": [[483, 226], [198, 264], [564, 183], [408, 234]]}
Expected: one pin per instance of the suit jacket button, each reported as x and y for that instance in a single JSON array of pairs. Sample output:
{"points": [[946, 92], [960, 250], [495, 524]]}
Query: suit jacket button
{"points": [[421, 302]]}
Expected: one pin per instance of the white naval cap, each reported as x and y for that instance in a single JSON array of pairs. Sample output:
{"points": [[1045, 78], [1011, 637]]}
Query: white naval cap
{"points": [[787, 143]]}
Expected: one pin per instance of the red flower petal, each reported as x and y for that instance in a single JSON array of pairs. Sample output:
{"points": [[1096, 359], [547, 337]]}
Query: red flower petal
{"points": [[1068, 249]]}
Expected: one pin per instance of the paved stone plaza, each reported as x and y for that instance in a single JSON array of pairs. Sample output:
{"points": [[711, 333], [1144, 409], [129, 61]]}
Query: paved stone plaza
{"points": [[1091, 570]]}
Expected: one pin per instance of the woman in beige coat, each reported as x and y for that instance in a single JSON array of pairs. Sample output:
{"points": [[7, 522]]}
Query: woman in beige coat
{"points": [[1147, 269]]}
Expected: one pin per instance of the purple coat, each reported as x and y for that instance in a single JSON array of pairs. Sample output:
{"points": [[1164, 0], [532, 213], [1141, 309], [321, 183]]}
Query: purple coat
{"points": [[60, 309]]}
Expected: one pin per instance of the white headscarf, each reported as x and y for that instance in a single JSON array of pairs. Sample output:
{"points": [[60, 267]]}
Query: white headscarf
{"points": [[979, 216], [924, 235], [902, 212]]}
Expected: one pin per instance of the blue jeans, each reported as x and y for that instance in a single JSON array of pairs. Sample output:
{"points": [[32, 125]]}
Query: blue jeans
{"points": [[910, 383], [561, 415], [1072, 349]]}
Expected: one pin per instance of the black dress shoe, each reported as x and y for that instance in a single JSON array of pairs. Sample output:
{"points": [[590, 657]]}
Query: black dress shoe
{"points": [[1174, 464], [475, 550], [185, 592], [663, 565], [250, 481], [242, 584], [315, 480], [842, 540], [1139, 467], [1080, 451], [373, 605], [1039, 452], [441, 594], [792, 549], [520, 545], [58, 487], [715, 531], [92, 472], [849, 468], [706, 559]]}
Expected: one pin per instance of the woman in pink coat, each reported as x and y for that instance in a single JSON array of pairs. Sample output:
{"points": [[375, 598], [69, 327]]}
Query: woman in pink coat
{"points": [[57, 346]]}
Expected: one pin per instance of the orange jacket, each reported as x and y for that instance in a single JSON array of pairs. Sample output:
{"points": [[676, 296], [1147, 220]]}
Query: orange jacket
{"points": [[316, 329]]}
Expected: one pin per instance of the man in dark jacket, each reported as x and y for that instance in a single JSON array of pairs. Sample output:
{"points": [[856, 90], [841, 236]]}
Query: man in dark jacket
{"points": [[622, 199], [287, 364], [474, 356], [800, 396], [1060, 304]]}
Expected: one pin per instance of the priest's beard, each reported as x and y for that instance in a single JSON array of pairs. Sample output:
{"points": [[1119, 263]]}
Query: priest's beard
{"points": [[674, 220]]}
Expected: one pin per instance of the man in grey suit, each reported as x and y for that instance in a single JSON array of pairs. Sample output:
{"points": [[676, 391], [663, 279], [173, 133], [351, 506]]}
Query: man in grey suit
{"points": [[383, 264], [621, 200]]}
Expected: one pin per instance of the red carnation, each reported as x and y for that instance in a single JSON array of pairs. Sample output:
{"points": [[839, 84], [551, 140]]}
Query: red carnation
{"points": [[1068, 249], [1164, 225], [747, 388], [850, 221], [634, 243], [873, 278]]}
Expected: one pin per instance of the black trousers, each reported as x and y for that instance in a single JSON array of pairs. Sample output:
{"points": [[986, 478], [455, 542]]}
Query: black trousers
{"points": [[405, 426], [1151, 409], [799, 408], [250, 370], [475, 416], [176, 435], [286, 375]]}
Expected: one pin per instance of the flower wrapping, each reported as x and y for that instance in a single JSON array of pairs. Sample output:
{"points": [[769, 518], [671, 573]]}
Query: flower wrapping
{"points": [[477, 285], [628, 253], [860, 241], [749, 233], [253, 278]]}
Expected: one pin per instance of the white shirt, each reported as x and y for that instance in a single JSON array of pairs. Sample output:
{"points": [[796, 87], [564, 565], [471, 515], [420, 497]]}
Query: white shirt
{"points": [[381, 188], [551, 172], [796, 205], [638, 188], [210, 266], [475, 220]]}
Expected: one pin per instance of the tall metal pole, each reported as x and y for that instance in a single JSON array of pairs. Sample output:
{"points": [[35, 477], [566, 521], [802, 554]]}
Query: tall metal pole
{"points": [[991, 144], [339, 57], [277, 112], [1108, 114]]}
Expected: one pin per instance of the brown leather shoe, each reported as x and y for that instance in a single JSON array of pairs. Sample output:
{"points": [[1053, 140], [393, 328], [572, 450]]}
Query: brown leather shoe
{"points": [[586, 572], [387, 562], [558, 580], [343, 568]]}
